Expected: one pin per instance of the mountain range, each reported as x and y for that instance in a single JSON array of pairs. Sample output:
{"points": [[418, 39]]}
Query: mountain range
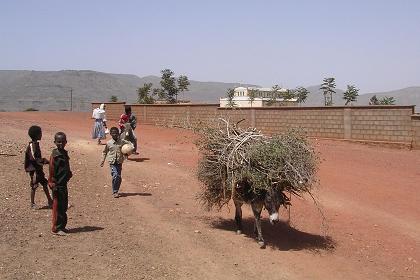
{"points": [[53, 90]]}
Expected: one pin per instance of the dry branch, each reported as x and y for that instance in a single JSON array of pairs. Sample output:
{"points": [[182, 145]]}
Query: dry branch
{"points": [[232, 154]]}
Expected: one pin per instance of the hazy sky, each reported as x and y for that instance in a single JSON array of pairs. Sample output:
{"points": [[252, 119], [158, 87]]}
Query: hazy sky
{"points": [[372, 44]]}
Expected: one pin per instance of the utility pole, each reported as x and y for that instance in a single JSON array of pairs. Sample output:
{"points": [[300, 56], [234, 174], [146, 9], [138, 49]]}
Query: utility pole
{"points": [[71, 99]]}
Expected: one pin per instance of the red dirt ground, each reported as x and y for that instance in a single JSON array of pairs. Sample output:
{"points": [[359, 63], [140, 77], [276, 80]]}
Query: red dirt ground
{"points": [[157, 230]]}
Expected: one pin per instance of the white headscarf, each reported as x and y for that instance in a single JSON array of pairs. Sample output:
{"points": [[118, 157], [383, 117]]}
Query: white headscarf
{"points": [[99, 113]]}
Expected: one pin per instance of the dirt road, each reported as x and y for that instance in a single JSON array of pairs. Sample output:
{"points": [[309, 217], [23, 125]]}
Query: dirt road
{"points": [[157, 229]]}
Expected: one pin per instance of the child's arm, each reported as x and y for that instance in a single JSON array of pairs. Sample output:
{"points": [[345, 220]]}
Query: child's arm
{"points": [[51, 179], [104, 153], [70, 173], [134, 122], [37, 161]]}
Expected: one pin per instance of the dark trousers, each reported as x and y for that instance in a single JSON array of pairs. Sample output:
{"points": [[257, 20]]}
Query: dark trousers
{"points": [[116, 176], [60, 204], [38, 177]]}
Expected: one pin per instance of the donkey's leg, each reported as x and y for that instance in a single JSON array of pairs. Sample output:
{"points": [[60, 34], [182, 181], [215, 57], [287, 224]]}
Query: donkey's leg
{"points": [[256, 209], [238, 216]]}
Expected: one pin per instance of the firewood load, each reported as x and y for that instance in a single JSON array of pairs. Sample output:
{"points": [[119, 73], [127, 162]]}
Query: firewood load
{"points": [[231, 154]]}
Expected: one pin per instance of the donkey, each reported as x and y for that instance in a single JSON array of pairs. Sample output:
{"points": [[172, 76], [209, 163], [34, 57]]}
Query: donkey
{"points": [[271, 199]]}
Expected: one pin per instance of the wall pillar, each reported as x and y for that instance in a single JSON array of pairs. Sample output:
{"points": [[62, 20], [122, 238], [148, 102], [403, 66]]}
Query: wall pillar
{"points": [[252, 117], [415, 125], [347, 123]]}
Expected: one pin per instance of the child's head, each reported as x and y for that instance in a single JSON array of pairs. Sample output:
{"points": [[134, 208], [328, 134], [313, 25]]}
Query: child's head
{"points": [[123, 119], [60, 140], [115, 133], [35, 132], [128, 110]]}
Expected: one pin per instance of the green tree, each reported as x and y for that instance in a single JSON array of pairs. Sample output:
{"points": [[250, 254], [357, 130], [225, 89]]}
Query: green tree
{"points": [[144, 94], [113, 98], [387, 101], [230, 94], [328, 88], [273, 95], [301, 94], [183, 83], [374, 100], [171, 86], [351, 94], [252, 93]]}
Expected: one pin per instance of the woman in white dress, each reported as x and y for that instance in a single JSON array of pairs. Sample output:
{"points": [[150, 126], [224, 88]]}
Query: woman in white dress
{"points": [[99, 126]]}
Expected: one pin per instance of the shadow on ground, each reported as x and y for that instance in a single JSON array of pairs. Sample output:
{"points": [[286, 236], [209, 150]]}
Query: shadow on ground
{"points": [[134, 194], [138, 159], [280, 236], [84, 229]]}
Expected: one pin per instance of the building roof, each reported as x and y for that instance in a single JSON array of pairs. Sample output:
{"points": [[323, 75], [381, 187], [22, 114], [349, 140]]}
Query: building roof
{"points": [[260, 89]]}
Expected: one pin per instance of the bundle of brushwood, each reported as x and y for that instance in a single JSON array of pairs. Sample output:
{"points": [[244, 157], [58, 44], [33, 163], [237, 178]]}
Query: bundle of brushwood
{"points": [[231, 154]]}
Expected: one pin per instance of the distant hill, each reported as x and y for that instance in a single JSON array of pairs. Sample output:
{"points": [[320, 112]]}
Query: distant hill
{"points": [[50, 90]]}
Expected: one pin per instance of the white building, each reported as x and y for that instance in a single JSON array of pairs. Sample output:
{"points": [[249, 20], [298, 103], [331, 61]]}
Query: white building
{"points": [[262, 98]]}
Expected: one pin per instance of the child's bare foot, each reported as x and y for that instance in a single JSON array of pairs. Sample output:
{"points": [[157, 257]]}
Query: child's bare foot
{"points": [[34, 206]]}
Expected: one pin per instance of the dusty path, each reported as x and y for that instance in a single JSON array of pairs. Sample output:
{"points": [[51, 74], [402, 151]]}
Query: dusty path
{"points": [[370, 196]]}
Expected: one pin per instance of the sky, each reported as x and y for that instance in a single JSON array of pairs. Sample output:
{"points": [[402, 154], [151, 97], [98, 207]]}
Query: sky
{"points": [[374, 45]]}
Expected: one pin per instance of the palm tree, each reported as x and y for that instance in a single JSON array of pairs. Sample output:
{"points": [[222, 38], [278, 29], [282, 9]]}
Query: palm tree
{"points": [[252, 93], [301, 94], [230, 95], [351, 94], [328, 87]]}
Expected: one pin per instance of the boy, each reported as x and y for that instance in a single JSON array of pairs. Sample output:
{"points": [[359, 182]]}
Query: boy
{"points": [[127, 132], [60, 174], [133, 122], [34, 165], [112, 152]]}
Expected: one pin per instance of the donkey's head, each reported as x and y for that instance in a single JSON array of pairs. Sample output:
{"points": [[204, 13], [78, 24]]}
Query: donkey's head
{"points": [[272, 201]]}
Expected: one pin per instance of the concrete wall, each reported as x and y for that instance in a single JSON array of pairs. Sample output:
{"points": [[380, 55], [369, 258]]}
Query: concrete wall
{"points": [[366, 123], [325, 122], [382, 124]]}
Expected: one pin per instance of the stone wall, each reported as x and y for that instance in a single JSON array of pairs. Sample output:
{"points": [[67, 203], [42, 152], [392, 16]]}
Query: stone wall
{"points": [[391, 124]]}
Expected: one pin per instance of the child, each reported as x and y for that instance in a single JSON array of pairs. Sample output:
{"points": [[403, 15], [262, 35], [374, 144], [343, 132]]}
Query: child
{"points": [[133, 122], [34, 165], [127, 132], [99, 128], [112, 152], [60, 174]]}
